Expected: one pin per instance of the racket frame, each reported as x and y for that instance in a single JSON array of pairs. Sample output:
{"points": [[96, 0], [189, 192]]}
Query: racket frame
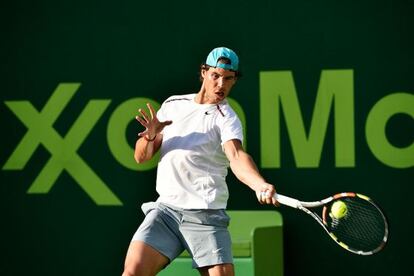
{"points": [[304, 205]]}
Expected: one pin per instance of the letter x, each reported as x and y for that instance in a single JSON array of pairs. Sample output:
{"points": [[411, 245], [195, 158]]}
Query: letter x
{"points": [[63, 151]]}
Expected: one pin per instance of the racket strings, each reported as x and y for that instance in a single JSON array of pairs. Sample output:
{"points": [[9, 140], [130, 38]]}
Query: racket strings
{"points": [[362, 227]]}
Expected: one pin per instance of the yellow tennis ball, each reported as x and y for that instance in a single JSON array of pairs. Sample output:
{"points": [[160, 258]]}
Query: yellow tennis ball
{"points": [[338, 210]]}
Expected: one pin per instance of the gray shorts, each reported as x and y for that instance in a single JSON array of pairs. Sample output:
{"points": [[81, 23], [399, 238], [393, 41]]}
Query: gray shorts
{"points": [[202, 232]]}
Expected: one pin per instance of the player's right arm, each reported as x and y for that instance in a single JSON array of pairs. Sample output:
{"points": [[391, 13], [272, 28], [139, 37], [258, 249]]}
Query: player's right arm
{"points": [[151, 137]]}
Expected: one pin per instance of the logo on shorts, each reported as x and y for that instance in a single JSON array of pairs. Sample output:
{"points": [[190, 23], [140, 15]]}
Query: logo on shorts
{"points": [[215, 251]]}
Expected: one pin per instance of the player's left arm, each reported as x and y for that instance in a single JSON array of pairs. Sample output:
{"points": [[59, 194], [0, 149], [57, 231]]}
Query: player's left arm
{"points": [[244, 168]]}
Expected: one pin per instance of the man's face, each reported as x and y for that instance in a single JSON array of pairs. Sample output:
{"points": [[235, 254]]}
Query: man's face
{"points": [[217, 83]]}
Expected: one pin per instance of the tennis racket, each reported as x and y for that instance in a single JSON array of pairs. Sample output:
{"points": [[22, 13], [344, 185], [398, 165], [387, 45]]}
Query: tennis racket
{"points": [[362, 227]]}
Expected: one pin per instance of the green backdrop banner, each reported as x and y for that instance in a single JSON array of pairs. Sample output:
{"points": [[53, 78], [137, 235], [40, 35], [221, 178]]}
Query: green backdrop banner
{"points": [[326, 99]]}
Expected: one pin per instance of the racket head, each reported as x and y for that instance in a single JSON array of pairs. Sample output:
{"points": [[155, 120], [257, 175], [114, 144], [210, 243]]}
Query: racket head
{"points": [[363, 229]]}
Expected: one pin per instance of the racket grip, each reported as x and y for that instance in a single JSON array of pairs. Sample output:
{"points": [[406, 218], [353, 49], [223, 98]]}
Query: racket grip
{"points": [[288, 201]]}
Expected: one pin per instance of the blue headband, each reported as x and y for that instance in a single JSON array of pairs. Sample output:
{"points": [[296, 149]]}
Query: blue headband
{"points": [[223, 52]]}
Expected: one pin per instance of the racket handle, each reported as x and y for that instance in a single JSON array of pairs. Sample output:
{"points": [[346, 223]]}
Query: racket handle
{"points": [[288, 201]]}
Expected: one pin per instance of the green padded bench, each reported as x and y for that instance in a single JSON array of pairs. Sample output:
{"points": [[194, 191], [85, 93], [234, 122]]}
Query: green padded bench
{"points": [[257, 247]]}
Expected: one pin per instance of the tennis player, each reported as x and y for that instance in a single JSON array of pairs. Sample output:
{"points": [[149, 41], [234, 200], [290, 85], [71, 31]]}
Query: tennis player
{"points": [[199, 136]]}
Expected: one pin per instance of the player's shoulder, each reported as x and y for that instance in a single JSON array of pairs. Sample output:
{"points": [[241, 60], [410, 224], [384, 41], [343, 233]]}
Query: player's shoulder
{"points": [[179, 98], [226, 109]]}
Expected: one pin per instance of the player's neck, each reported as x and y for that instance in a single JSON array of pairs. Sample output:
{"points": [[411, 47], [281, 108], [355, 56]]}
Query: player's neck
{"points": [[201, 97]]}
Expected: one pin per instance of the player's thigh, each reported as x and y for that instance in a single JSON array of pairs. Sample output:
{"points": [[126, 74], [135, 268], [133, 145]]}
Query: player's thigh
{"points": [[217, 270], [142, 259]]}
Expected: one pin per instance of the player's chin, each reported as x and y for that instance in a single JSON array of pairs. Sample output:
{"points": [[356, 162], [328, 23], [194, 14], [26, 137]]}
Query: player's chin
{"points": [[218, 100]]}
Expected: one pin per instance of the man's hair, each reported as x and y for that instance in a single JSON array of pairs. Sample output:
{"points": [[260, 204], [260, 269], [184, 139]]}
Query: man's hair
{"points": [[223, 60]]}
